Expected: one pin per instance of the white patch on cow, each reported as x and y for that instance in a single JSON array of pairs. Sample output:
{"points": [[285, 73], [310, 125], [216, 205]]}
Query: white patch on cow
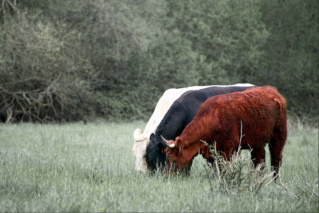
{"points": [[142, 139]]}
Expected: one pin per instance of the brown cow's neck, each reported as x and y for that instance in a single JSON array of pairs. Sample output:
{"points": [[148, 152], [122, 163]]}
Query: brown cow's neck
{"points": [[199, 128], [192, 138]]}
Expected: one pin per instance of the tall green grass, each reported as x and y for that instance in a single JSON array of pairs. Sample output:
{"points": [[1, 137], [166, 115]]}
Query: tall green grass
{"points": [[90, 168]]}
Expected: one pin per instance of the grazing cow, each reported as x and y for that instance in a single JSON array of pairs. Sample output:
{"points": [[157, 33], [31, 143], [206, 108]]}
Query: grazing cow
{"points": [[178, 116], [142, 139], [259, 112]]}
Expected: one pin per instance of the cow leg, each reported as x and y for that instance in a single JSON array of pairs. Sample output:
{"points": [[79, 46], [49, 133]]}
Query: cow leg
{"points": [[258, 157], [210, 162], [188, 168], [276, 156], [276, 146], [225, 153]]}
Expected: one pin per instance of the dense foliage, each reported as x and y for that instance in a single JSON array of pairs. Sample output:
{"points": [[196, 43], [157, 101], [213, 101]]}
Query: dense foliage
{"points": [[67, 60]]}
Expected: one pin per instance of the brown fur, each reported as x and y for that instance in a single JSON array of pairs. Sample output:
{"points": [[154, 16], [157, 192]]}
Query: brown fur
{"points": [[262, 111]]}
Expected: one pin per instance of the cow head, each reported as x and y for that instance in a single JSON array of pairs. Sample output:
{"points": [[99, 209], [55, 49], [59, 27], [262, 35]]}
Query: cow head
{"points": [[139, 150], [175, 157], [155, 155]]}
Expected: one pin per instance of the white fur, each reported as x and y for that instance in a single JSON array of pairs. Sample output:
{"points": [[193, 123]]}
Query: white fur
{"points": [[142, 139]]}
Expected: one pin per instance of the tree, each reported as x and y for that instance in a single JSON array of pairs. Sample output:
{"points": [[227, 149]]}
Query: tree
{"points": [[228, 34], [40, 78], [291, 61], [65, 59]]}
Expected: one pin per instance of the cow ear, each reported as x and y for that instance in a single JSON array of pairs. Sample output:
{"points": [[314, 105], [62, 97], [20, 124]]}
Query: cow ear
{"points": [[136, 133], [152, 137], [179, 141]]}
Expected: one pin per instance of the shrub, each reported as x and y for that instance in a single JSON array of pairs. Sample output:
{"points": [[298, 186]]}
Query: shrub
{"points": [[40, 78], [236, 175]]}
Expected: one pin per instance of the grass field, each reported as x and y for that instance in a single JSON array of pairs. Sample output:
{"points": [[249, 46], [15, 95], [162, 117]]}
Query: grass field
{"points": [[90, 168]]}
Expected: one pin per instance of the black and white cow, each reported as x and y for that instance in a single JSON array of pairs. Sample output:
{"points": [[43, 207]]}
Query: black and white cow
{"points": [[142, 139]]}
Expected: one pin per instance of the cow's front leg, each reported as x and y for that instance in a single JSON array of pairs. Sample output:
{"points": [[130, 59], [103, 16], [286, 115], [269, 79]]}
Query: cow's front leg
{"points": [[258, 157]]}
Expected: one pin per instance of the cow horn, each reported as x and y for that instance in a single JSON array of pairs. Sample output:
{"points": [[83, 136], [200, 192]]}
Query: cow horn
{"points": [[166, 142]]}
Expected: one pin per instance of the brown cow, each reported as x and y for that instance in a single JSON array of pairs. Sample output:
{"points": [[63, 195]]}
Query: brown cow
{"points": [[259, 111]]}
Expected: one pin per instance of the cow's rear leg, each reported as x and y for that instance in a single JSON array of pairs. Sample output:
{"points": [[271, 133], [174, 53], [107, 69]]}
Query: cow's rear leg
{"points": [[258, 157], [276, 146]]}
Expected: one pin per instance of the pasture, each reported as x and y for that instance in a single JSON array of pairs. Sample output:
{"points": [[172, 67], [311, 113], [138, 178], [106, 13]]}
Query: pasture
{"points": [[90, 168]]}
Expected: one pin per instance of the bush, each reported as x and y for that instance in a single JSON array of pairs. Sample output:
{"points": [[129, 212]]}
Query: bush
{"points": [[40, 78], [236, 175]]}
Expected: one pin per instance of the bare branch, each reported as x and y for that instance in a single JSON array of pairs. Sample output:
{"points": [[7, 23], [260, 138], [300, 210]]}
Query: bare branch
{"points": [[241, 137]]}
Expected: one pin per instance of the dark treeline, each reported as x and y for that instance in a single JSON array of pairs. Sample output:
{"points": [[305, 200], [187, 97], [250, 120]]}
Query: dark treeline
{"points": [[68, 60]]}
